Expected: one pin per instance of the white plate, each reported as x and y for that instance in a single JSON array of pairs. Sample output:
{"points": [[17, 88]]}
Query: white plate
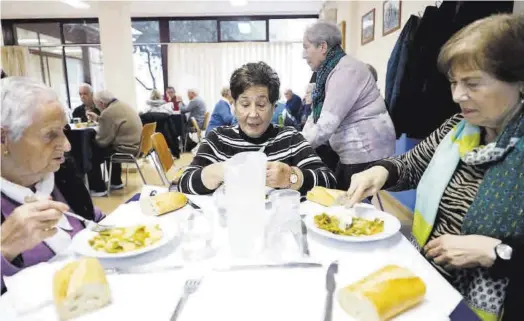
{"points": [[391, 223], [81, 246]]}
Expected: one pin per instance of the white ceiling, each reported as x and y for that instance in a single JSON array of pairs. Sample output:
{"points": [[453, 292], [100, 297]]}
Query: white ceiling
{"points": [[20, 9]]}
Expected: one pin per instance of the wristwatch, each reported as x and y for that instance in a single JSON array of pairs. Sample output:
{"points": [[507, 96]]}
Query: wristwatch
{"points": [[293, 178], [503, 251]]}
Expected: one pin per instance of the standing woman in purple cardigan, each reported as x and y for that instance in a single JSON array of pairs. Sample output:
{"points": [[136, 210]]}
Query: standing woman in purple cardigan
{"points": [[348, 113], [37, 183]]}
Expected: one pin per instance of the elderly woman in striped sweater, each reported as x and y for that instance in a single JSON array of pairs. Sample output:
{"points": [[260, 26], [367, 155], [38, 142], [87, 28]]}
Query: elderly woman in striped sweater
{"points": [[469, 214], [292, 163]]}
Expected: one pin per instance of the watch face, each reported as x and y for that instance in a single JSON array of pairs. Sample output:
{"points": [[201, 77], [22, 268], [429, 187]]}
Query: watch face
{"points": [[293, 178], [504, 251]]}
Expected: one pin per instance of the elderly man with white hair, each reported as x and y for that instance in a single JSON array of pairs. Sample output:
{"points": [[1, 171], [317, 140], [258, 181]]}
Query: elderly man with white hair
{"points": [[348, 113], [85, 91], [38, 183], [196, 107], [119, 130]]}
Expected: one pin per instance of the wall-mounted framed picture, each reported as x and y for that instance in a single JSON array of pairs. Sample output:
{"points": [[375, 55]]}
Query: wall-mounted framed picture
{"points": [[391, 15], [342, 26], [367, 27]]}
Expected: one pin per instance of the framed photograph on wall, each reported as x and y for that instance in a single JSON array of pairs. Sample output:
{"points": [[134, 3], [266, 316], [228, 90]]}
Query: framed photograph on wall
{"points": [[342, 26], [367, 27], [391, 14]]}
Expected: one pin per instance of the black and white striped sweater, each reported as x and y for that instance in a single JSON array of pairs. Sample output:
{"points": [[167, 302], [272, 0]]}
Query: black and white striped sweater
{"points": [[283, 144]]}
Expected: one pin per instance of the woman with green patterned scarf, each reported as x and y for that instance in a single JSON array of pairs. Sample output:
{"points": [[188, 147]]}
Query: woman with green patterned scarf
{"points": [[348, 113], [469, 173]]}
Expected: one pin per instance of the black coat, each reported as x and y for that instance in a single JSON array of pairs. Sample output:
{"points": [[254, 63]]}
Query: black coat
{"points": [[425, 94]]}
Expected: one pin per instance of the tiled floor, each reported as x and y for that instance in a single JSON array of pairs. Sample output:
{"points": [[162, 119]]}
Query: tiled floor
{"points": [[109, 204]]}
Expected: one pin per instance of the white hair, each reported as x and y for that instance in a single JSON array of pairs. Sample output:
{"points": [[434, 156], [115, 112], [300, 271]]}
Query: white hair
{"points": [[20, 98], [193, 90], [105, 96], [324, 31], [86, 85]]}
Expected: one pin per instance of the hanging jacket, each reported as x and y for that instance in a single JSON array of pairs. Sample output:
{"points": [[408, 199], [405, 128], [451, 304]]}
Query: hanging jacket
{"points": [[425, 93], [398, 60]]}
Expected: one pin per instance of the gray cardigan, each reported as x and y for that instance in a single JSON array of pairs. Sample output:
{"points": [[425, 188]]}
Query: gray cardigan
{"points": [[354, 118]]}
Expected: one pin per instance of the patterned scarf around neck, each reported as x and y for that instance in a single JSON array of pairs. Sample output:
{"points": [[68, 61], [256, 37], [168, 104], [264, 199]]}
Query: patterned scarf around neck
{"points": [[497, 210], [319, 93]]}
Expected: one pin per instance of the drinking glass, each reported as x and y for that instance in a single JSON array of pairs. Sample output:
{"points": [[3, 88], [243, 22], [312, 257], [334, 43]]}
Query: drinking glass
{"points": [[283, 231], [197, 233]]}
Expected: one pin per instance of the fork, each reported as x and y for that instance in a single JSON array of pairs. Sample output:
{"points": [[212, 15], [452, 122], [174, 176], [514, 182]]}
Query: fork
{"points": [[95, 227], [190, 287]]}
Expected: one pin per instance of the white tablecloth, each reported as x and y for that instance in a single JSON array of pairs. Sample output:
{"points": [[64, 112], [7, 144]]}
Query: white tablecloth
{"points": [[283, 294]]}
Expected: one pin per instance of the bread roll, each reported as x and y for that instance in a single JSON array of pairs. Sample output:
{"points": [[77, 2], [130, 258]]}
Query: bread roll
{"points": [[168, 202], [383, 294], [79, 288], [324, 196]]}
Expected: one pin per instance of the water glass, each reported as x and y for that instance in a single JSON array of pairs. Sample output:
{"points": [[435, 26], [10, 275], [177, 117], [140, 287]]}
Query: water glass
{"points": [[197, 233], [283, 231]]}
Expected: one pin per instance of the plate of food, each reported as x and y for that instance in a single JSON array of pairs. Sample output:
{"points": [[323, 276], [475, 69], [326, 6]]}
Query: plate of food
{"points": [[122, 241], [359, 224]]}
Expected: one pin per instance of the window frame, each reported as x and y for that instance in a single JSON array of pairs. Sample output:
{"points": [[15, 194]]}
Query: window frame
{"points": [[10, 37]]}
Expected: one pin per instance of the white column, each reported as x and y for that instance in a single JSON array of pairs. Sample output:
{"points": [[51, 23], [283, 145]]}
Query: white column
{"points": [[114, 19]]}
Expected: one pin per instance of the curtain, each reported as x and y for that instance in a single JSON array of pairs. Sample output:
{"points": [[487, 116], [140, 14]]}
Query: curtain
{"points": [[207, 67], [15, 61]]}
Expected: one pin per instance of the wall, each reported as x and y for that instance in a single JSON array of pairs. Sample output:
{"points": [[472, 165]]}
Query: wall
{"points": [[117, 48], [378, 51]]}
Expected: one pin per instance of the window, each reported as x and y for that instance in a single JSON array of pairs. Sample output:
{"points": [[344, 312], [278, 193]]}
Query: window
{"points": [[145, 32], [148, 71], [290, 30], [254, 30], [37, 34], [82, 33], [193, 31], [84, 64], [48, 63]]}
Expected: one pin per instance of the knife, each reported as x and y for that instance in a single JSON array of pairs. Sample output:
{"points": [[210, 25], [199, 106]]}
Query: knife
{"points": [[305, 246], [142, 270], [330, 290], [290, 265]]}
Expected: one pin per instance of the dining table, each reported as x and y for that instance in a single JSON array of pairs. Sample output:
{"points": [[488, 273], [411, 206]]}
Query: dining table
{"points": [[226, 293], [82, 142]]}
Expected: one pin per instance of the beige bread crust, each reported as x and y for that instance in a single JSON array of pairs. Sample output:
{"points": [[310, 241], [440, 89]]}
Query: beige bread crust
{"points": [[383, 294], [324, 196], [80, 287], [168, 202]]}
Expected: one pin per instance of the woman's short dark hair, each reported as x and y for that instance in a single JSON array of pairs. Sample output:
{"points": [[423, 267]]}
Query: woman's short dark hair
{"points": [[255, 74], [494, 45]]}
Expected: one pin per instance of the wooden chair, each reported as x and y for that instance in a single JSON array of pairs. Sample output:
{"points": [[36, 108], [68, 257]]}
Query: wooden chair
{"points": [[146, 146], [201, 132], [207, 118], [163, 154]]}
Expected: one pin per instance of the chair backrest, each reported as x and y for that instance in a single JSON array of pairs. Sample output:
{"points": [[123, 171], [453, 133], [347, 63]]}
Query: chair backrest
{"points": [[162, 151], [207, 117], [195, 125], [147, 144]]}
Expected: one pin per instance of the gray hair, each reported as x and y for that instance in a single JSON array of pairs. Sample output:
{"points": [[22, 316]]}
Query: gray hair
{"points": [[86, 85], [193, 90], [225, 92], [20, 98], [324, 31], [105, 96]]}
